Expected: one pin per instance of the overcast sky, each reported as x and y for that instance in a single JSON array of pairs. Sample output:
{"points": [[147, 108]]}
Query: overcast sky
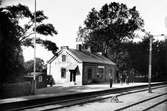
{"points": [[68, 15]]}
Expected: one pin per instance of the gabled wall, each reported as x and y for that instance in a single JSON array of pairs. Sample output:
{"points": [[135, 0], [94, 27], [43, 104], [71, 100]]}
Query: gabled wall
{"points": [[54, 68]]}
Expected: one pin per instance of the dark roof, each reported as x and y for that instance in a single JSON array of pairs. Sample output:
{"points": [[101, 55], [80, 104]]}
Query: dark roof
{"points": [[85, 56], [50, 60]]}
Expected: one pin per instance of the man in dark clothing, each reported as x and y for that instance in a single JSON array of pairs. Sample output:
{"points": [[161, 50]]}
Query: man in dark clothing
{"points": [[111, 81]]}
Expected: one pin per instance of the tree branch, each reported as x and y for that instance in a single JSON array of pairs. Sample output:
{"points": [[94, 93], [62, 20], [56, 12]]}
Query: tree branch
{"points": [[24, 37]]}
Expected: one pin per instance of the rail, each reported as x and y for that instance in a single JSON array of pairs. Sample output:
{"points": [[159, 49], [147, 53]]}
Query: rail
{"points": [[81, 98]]}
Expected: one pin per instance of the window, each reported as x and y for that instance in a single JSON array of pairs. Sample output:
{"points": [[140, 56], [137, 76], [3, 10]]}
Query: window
{"points": [[89, 74], [63, 58], [100, 72], [40, 78], [63, 73]]}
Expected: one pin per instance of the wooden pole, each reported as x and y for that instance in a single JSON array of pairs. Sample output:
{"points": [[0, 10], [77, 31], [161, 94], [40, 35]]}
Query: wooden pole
{"points": [[34, 83], [150, 64]]}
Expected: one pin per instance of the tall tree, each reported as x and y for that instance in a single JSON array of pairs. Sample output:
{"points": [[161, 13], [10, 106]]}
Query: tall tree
{"points": [[13, 35], [107, 29], [109, 26], [29, 65], [139, 56], [159, 60], [24, 20], [11, 59]]}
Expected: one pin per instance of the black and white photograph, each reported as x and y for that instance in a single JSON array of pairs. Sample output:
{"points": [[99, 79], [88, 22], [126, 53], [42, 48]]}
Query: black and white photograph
{"points": [[83, 55]]}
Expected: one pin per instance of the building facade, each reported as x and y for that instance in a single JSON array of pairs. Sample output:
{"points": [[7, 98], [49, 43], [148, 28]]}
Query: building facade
{"points": [[79, 67]]}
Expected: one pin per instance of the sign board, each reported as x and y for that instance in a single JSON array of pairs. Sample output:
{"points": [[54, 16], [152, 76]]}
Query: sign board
{"points": [[101, 67]]}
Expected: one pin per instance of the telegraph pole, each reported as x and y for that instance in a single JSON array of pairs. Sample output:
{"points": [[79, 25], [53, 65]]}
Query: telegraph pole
{"points": [[150, 64], [150, 59], [34, 86]]}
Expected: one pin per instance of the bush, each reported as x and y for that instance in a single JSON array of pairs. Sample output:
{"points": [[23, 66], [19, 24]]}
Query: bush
{"points": [[50, 81], [140, 79], [15, 89]]}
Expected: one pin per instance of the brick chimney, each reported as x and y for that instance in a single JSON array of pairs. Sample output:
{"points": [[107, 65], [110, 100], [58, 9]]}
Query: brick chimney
{"points": [[79, 47], [89, 49]]}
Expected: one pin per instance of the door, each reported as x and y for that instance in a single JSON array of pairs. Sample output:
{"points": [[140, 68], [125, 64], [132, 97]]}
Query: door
{"points": [[72, 75]]}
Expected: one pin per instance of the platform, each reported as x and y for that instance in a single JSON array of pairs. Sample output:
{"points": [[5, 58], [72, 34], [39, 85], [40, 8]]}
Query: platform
{"points": [[66, 90]]}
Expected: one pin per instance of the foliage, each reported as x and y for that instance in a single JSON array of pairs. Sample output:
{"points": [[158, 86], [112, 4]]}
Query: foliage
{"points": [[159, 57], [50, 81], [14, 34], [111, 29], [139, 56], [109, 26], [25, 30], [11, 62], [29, 65], [107, 29]]}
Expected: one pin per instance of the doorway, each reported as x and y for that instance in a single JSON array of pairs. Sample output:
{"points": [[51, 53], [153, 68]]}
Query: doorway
{"points": [[72, 75]]}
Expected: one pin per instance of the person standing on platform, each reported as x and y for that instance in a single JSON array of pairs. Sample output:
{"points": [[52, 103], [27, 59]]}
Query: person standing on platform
{"points": [[111, 81]]}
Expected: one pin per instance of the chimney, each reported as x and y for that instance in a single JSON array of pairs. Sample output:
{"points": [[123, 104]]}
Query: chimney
{"points": [[78, 47], [64, 47], [89, 49]]}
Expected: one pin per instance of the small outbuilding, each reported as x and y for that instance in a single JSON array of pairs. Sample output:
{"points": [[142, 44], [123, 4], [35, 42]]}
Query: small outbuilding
{"points": [[79, 67], [40, 79]]}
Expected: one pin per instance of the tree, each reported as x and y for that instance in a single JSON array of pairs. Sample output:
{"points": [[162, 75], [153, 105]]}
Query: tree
{"points": [[25, 30], [159, 57], [139, 56], [29, 65], [11, 62], [13, 35], [108, 27]]}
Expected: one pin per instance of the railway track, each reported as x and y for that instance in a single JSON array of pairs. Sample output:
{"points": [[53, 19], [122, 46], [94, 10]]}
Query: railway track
{"points": [[141, 105], [97, 96]]}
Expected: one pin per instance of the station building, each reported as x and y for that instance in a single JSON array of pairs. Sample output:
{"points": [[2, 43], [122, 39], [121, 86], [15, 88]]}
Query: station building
{"points": [[80, 67]]}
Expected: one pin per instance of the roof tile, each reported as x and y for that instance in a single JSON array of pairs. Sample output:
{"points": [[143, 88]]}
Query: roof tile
{"points": [[90, 57]]}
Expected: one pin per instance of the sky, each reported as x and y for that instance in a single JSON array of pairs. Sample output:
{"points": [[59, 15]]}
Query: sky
{"points": [[68, 15]]}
